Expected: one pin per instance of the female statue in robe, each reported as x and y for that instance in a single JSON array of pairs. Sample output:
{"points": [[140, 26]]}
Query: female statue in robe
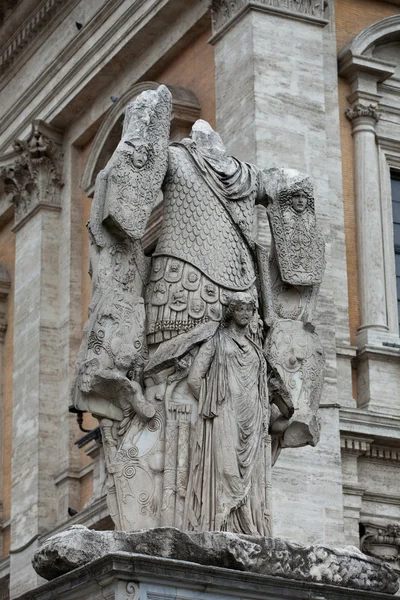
{"points": [[230, 462]]}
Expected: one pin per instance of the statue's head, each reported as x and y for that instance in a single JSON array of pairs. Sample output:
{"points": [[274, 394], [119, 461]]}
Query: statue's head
{"points": [[241, 308]]}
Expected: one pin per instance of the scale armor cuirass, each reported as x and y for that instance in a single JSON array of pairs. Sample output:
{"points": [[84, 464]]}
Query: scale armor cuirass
{"points": [[201, 256]]}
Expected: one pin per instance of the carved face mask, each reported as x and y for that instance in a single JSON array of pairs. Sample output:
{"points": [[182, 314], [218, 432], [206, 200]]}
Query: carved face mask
{"points": [[139, 153], [139, 156], [299, 202]]}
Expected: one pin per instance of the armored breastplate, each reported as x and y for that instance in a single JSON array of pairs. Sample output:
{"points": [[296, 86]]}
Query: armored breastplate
{"points": [[197, 228]]}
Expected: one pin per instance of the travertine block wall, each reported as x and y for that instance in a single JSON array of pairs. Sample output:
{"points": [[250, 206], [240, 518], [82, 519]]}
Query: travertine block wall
{"points": [[274, 114]]}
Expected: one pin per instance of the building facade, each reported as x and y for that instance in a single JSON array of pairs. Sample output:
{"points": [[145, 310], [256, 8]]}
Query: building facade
{"points": [[308, 84]]}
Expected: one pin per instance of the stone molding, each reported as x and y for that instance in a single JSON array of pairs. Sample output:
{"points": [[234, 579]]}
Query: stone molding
{"points": [[224, 11], [33, 179], [365, 447], [372, 34], [357, 421], [125, 29], [185, 111], [356, 444], [25, 34]]}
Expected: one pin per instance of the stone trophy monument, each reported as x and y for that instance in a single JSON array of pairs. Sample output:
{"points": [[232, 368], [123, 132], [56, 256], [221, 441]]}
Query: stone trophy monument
{"points": [[202, 362]]}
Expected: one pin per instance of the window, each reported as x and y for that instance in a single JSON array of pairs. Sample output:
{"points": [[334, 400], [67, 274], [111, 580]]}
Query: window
{"points": [[395, 183]]}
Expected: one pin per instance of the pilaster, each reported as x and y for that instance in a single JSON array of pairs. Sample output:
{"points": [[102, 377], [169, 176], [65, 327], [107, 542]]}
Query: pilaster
{"points": [[271, 110], [33, 183], [352, 448]]}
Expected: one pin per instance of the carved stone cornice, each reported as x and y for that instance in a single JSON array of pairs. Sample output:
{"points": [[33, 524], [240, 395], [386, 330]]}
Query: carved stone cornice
{"points": [[361, 110], [355, 444], [223, 11], [46, 10], [33, 179]]}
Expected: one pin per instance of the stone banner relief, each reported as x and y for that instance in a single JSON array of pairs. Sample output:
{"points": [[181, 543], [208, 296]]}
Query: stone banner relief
{"points": [[201, 363]]}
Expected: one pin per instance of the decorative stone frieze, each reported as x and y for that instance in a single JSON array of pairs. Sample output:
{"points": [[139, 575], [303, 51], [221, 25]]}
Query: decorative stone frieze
{"points": [[224, 10], [355, 444], [34, 178], [360, 110]]}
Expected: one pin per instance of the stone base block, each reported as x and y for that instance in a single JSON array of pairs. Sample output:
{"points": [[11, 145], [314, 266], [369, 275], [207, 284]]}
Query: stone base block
{"points": [[124, 576], [166, 556]]}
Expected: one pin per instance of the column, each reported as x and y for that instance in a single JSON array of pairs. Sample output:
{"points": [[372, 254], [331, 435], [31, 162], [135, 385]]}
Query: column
{"points": [[33, 184], [369, 223], [378, 368], [270, 102]]}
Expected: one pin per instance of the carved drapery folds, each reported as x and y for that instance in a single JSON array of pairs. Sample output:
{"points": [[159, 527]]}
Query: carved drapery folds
{"points": [[33, 179], [224, 10]]}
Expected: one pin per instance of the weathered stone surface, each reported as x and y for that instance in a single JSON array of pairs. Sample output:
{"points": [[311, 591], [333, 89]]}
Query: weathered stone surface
{"points": [[167, 383], [348, 567]]}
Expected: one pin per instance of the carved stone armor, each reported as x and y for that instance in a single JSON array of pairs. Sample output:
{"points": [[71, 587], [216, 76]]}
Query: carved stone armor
{"points": [[203, 253]]}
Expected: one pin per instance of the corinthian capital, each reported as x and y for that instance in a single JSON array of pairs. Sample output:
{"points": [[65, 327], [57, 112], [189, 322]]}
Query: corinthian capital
{"points": [[33, 178], [361, 110]]}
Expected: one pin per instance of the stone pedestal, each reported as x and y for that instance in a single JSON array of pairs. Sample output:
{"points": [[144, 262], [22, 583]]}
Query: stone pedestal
{"points": [[124, 576]]}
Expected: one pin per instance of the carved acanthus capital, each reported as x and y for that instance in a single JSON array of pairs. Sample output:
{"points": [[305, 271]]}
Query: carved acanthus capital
{"points": [[382, 541], [34, 177], [224, 10], [361, 110]]}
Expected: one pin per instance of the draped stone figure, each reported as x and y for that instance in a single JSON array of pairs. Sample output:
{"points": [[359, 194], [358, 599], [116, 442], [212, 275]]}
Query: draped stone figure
{"points": [[184, 358]]}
